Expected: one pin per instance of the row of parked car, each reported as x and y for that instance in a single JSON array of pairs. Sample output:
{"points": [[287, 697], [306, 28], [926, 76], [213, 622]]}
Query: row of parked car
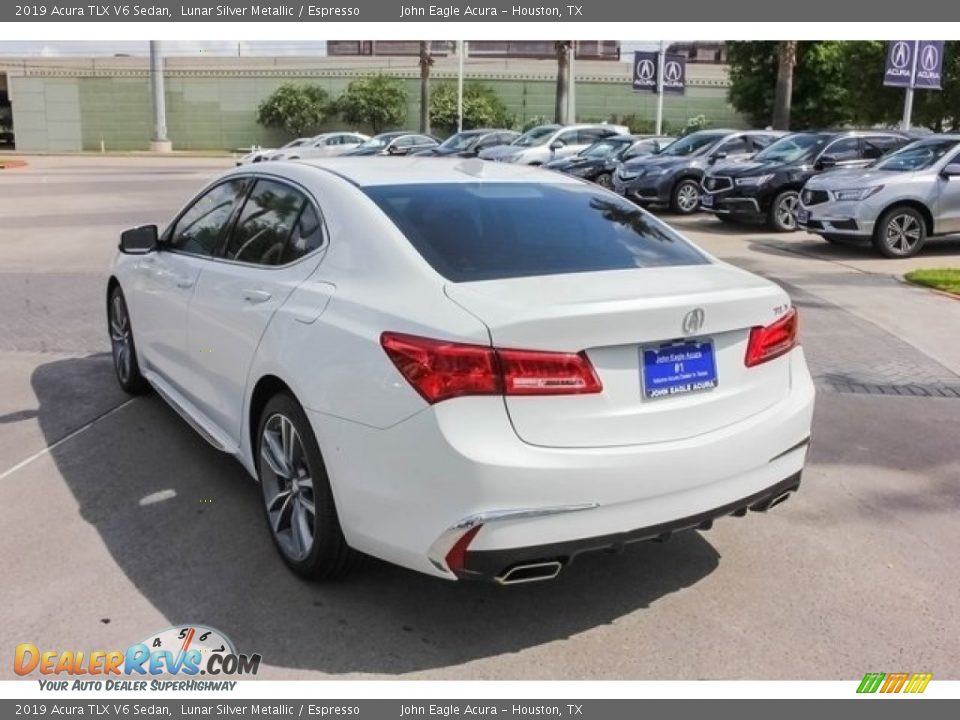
{"points": [[847, 186]]}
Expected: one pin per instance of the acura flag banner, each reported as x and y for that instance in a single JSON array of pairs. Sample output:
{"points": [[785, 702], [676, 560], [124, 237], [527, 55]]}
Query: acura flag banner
{"points": [[914, 63], [646, 66]]}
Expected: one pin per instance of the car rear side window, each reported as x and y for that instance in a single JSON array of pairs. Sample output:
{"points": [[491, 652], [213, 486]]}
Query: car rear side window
{"points": [[307, 235], [265, 224], [199, 230], [876, 146], [486, 231]]}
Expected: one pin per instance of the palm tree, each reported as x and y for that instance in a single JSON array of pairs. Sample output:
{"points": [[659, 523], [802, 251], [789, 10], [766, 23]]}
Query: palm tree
{"points": [[787, 57], [426, 61], [563, 48]]}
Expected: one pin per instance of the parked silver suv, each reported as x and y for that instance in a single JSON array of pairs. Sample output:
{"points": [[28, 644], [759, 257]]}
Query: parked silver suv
{"points": [[896, 203]]}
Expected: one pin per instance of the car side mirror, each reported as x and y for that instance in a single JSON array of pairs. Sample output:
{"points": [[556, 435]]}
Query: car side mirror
{"points": [[718, 155], [952, 170], [139, 240], [557, 144], [826, 162]]}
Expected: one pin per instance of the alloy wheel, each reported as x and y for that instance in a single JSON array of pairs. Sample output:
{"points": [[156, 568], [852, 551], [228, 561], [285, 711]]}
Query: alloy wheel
{"points": [[121, 339], [688, 197], [287, 487], [787, 212], [604, 180], [903, 233]]}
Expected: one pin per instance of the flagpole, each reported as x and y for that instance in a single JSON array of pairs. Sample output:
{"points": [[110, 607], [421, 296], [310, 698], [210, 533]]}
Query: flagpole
{"points": [[908, 98]]}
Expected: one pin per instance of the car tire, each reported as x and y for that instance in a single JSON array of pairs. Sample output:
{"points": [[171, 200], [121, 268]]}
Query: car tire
{"points": [[293, 480], [900, 232], [122, 345], [604, 180], [685, 198], [782, 216]]}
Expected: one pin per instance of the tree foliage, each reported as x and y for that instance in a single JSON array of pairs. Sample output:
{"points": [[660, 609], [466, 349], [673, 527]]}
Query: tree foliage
{"points": [[379, 101], [838, 83], [482, 107], [295, 108]]}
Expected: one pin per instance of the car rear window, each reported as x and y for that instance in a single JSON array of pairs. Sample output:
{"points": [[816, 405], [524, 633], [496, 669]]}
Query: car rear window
{"points": [[487, 231]]}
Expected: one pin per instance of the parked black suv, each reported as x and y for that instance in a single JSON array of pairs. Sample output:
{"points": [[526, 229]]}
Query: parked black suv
{"points": [[469, 143], [598, 161], [767, 188], [672, 176]]}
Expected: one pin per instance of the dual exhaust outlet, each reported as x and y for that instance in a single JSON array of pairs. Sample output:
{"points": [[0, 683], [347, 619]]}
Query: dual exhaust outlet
{"points": [[539, 570]]}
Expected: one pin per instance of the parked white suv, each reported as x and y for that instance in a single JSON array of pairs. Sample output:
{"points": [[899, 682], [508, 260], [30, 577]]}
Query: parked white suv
{"points": [[544, 143], [324, 145]]}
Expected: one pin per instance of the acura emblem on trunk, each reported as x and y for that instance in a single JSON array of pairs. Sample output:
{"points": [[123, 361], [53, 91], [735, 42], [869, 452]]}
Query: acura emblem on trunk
{"points": [[692, 322]]}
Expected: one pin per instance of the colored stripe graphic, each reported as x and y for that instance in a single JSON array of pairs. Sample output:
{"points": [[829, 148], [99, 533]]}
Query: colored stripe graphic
{"points": [[918, 682], [870, 683], [894, 682]]}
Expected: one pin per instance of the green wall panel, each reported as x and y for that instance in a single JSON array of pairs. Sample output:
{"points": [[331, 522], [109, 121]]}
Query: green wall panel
{"points": [[219, 112]]}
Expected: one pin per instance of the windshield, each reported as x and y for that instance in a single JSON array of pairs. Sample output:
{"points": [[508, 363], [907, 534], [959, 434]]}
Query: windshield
{"points": [[295, 143], [916, 156], [793, 148], [460, 141], [490, 230], [691, 144], [604, 149], [536, 136]]}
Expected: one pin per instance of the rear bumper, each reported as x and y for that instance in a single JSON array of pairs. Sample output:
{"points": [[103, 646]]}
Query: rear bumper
{"points": [[407, 493], [500, 565]]}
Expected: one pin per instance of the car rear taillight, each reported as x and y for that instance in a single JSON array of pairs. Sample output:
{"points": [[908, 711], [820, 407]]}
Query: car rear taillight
{"points": [[439, 370], [772, 341], [526, 372]]}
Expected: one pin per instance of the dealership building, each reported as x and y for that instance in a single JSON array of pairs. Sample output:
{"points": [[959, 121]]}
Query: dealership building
{"points": [[75, 103]]}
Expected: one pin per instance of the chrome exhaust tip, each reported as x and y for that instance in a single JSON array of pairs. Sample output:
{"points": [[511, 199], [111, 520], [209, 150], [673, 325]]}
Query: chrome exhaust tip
{"points": [[530, 572]]}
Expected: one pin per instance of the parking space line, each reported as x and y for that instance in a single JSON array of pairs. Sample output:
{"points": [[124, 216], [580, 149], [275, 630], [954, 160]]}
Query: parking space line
{"points": [[69, 436]]}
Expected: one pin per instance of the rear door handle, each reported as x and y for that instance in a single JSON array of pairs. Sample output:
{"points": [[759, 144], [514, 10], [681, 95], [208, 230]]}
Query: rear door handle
{"points": [[256, 296], [184, 282]]}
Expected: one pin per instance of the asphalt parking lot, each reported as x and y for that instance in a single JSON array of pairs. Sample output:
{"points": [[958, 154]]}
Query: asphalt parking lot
{"points": [[118, 520]]}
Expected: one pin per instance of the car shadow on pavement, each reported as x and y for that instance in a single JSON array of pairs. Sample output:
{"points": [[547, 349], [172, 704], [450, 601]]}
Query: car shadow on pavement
{"points": [[184, 523]]}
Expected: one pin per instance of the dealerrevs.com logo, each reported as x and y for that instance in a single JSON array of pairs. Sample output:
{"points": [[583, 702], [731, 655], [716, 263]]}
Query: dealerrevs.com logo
{"points": [[186, 651]]}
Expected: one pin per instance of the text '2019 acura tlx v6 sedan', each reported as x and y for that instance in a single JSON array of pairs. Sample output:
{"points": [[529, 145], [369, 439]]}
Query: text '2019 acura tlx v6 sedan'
{"points": [[474, 370]]}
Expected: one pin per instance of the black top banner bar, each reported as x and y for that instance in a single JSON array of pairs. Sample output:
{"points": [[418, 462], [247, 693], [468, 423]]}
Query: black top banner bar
{"points": [[493, 11]]}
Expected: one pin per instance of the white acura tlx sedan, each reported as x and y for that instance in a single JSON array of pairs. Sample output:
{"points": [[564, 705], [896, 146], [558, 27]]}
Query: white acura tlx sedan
{"points": [[475, 370]]}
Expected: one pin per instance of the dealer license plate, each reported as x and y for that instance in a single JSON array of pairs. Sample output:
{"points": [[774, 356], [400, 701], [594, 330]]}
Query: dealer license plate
{"points": [[678, 368]]}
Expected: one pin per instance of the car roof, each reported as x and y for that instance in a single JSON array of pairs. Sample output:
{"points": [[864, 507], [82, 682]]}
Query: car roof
{"points": [[853, 132], [373, 171]]}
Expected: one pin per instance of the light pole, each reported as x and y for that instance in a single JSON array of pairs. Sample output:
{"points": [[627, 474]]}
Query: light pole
{"points": [[461, 51], [572, 92], [159, 143], [660, 61]]}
